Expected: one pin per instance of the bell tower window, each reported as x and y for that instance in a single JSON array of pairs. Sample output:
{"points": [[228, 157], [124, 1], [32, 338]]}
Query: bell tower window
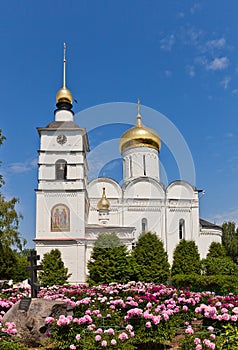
{"points": [[61, 170]]}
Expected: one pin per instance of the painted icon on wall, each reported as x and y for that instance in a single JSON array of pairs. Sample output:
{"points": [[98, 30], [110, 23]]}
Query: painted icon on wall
{"points": [[60, 219]]}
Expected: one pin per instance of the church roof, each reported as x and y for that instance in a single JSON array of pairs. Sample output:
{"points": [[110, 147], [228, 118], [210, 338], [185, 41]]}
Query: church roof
{"points": [[207, 224]]}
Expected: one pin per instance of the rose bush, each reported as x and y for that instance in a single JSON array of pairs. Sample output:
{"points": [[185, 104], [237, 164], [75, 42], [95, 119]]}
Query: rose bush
{"points": [[134, 316]]}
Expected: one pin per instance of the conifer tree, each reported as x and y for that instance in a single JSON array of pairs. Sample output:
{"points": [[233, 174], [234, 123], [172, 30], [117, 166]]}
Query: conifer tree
{"points": [[151, 259], [186, 259], [53, 270], [109, 260]]}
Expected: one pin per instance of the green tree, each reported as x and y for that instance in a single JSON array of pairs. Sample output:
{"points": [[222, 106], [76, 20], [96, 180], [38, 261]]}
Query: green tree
{"points": [[219, 266], [53, 270], [9, 231], [109, 260], [230, 239], [151, 259], [216, 250], [186, 259]]}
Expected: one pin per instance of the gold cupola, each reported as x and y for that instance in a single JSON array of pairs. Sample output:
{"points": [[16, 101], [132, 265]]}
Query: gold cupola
{"points": [[64, 95], [103, 203], [139, 136]]}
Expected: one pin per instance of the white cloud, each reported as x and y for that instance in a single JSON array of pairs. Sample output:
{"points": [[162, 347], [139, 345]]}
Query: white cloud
{"points": [[229, 134], [231, 215], [191, 71], [218, 64], [21, 167], [235, 92], [216, 44], [196, 7], [167, 42], [168, 73], [225, 82]]}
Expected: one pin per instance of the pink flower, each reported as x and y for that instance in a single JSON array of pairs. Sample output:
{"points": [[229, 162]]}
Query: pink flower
{"points": [[98, 331], [78, 337], [198, 347], [104, 343], [197, 341], [72, 347], [49, 320], [189, 330], [123, 336], [148, 324], [129, 327], [98, 337], [212, 336], [210, 329], [113, 342]]}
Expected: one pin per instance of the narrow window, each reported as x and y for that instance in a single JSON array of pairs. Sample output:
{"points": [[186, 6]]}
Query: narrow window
{"points": [[144, 164], [61, 169], [131, 174], [181, 228], [144, 226]]}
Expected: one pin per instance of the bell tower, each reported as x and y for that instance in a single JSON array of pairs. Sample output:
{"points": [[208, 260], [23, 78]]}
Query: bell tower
{"points": [[61, 197]]}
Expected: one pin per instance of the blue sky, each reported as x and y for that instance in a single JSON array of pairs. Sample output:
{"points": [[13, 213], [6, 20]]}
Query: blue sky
{"points": [[178, 57]]}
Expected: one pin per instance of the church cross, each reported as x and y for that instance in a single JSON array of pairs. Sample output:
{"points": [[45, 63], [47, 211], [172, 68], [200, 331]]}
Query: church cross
{"points": [[33, 268]]}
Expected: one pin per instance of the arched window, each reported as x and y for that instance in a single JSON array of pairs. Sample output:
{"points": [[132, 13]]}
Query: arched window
{"points": [[61, 169], [144, 225], [144, 164], [131, 173], [181, 228]]}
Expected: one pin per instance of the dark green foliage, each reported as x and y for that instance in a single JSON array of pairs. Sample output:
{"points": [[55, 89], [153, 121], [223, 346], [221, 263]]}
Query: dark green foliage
{"points": [[186, 259], [20, 273], [8, 262], [216, 250], [219, 266], [216, 283], [230, 239], [109, 261], [54, 272], [151, 259]]}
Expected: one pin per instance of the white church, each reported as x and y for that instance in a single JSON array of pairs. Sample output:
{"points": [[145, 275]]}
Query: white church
{"points": [[71, 212]]}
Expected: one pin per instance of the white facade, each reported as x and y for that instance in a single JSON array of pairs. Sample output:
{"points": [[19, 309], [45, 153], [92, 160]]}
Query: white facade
{"points": [[67, 214]]}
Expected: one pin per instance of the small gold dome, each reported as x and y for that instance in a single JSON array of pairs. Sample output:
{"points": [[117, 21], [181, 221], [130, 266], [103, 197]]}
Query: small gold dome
{"points": [[103, 203], [139, 136], [64, 95]]}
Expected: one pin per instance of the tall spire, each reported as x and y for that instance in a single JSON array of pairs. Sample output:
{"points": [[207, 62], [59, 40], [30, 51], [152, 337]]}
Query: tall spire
{"points": [[138, 122], [64, 96], [64, 69]]}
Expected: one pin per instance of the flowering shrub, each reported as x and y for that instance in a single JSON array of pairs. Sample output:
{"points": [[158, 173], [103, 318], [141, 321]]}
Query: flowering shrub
{"points": [[135, 316]]}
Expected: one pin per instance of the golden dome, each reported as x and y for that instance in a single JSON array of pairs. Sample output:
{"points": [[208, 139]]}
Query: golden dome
{"points": [[64, 95], [139, 136], [103, 203]]}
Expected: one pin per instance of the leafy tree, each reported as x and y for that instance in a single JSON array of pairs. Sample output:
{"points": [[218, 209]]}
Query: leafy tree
{"points": [[230, 239], [53, 270], [9, 231], [151, 259], [109, 260], [219, 266], [216, 250], [186, 259]]}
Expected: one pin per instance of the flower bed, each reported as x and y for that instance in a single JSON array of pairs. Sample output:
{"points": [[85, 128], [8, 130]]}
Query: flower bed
{"points": [[136, 316]]}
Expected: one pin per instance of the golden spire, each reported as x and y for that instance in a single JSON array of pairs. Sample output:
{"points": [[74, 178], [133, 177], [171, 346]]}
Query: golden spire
{"points": [[103, 203], [138, 122], [64, 94]]}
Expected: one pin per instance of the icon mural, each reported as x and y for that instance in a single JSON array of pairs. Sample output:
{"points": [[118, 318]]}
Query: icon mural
{"points": [[60, 218]]}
